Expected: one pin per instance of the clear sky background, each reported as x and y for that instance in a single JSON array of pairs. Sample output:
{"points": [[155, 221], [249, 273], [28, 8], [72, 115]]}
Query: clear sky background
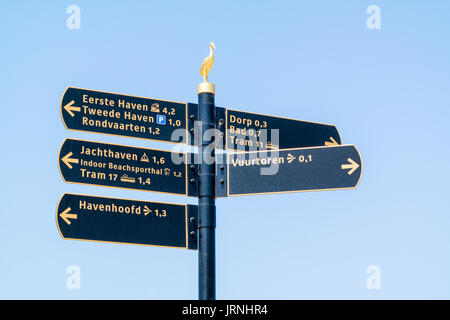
{"points": [[387, 91]]}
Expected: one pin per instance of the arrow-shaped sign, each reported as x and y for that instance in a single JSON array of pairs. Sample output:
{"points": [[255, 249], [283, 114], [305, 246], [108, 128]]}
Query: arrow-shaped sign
{"points": [[124, 115], [352, 165], [70, 107], [65, 215], [127, 221], [291, 170], [246, 131], [68, 160], [120, 166]]}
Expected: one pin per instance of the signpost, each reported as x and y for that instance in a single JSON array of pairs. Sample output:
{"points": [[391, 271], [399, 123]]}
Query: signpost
{"points": [[118, 114], [291, 170], [119, 166], [275, 155], [81, 217], [247, 131]]}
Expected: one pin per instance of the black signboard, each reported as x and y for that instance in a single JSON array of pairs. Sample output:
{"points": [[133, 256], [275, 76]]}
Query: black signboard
{"points": [[81, 217], [118, 114], [291, 170], [247, 131], [119, 166]]}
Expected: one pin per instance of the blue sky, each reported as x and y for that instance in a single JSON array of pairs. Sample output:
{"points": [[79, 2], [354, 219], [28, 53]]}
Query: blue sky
{"points": [[387, 91]]}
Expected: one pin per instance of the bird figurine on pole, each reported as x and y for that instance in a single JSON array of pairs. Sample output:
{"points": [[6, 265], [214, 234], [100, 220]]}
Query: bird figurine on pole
{"points": [[207, 63]]}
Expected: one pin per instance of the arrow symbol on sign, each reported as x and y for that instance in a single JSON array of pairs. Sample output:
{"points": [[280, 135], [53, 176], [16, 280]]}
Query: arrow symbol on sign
{"points": [[68, 160], [352, 165], [146, 210], [70, 107], [332, 143], [65, 215], [290, 158]]}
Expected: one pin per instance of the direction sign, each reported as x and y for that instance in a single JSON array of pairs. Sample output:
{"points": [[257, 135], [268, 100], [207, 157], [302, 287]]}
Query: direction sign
{"points": [[118, 114], [81, 217], [247, 131], [291, 170], [119, 166]]}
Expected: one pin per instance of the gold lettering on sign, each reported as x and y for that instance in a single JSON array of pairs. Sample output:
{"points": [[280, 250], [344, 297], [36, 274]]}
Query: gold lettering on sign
{"points": [[257, 161], [108, 153]]}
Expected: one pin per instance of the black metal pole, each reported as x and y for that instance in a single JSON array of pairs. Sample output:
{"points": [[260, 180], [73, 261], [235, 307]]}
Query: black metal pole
{"points": [[206, 201]]}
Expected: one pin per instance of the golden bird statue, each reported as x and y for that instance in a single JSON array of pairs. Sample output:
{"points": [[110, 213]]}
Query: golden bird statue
{"points": [[207, 63]]}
